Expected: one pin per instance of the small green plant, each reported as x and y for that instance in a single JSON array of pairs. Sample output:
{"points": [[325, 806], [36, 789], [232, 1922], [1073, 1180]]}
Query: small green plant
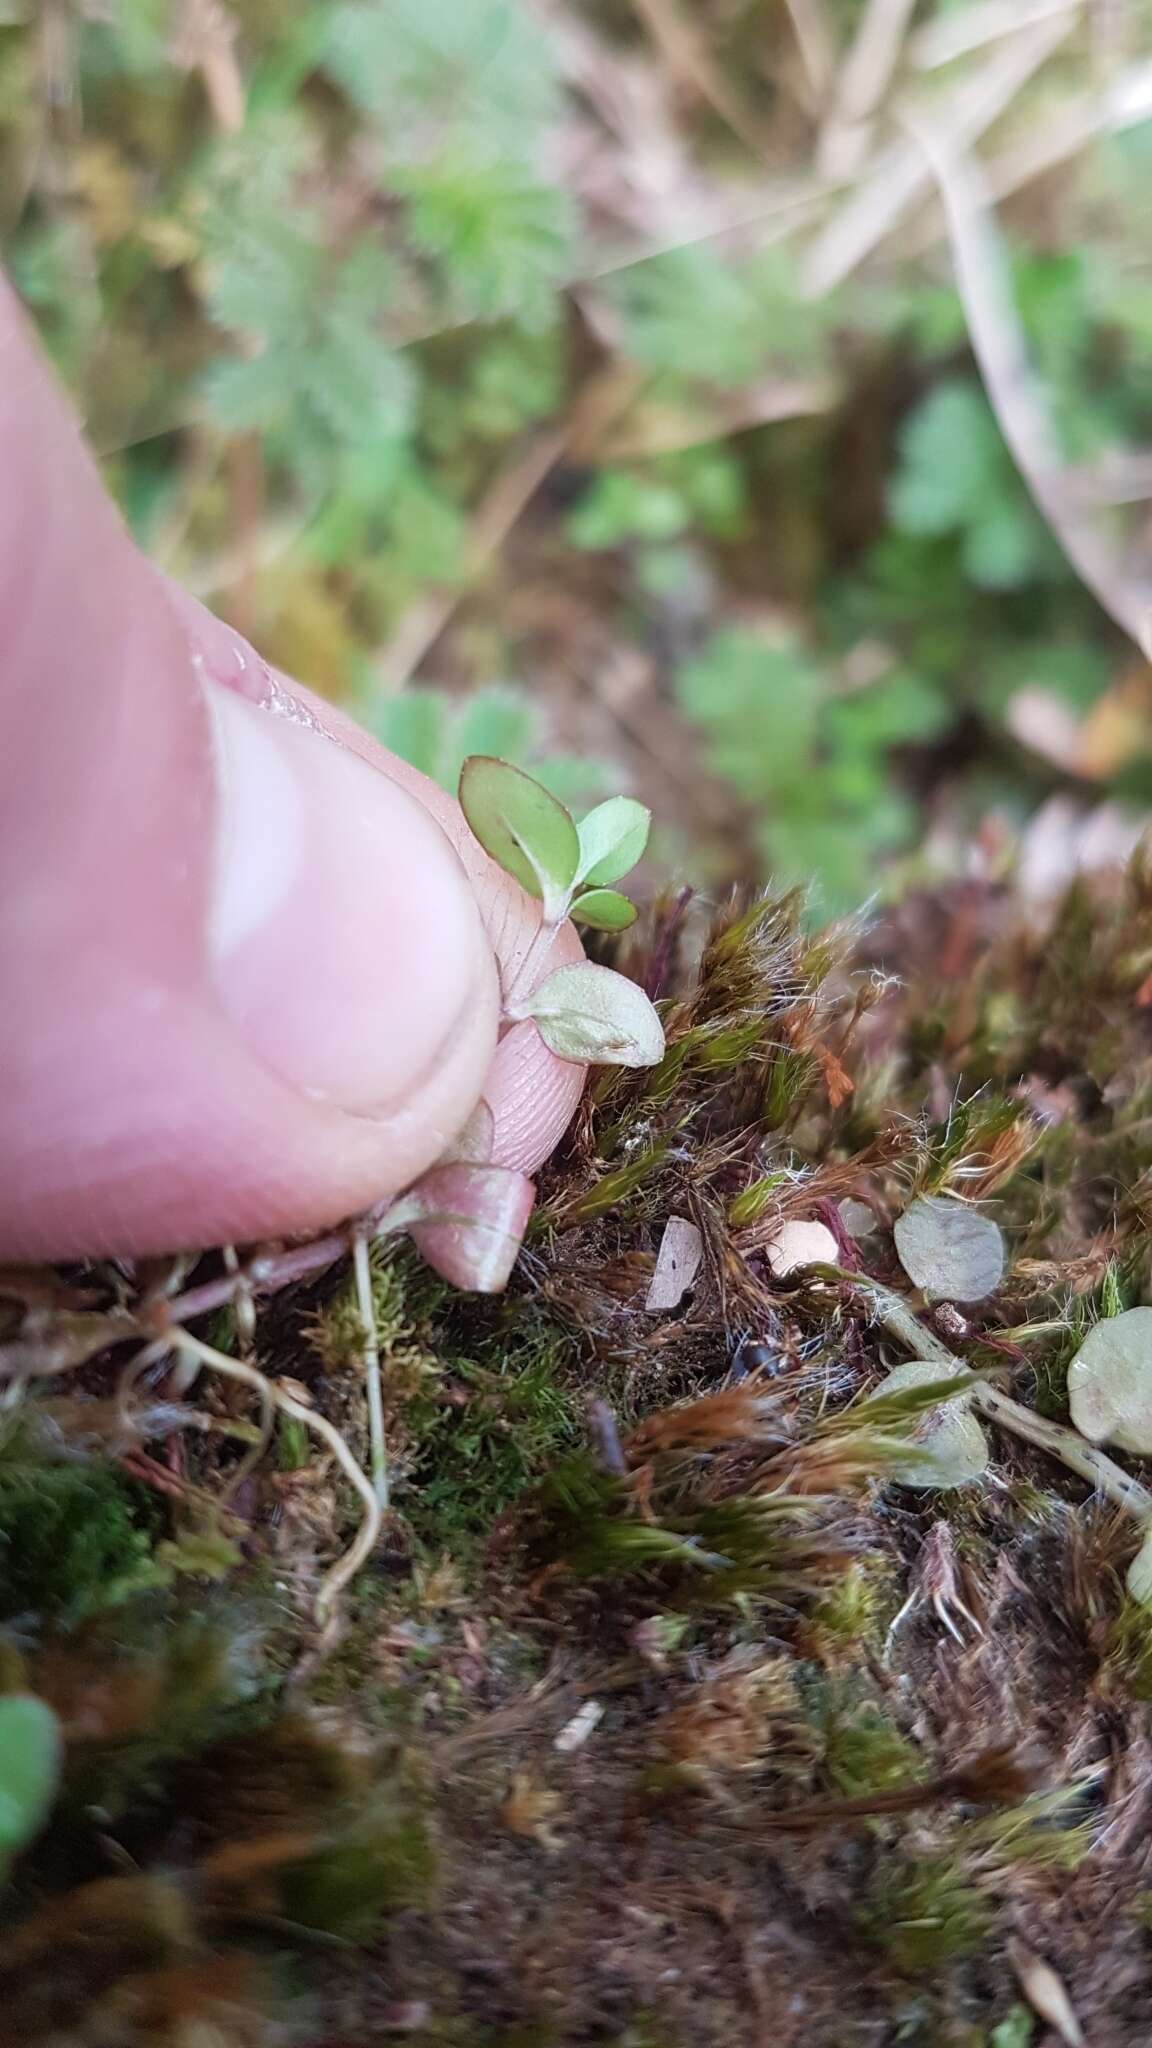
{"points": [[582, 1012], [30, 1749]]}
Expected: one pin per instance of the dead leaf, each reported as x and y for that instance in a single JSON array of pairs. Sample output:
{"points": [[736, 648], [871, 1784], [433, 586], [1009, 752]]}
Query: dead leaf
{"points": [[677, 1264], [838, 1083], [1045, 1992]]}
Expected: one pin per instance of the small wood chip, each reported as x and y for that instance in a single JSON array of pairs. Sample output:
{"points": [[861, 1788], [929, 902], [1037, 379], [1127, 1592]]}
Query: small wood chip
{"points": [[677, 1264], [574, 1734], [1045, 1992], [799, 1244]]}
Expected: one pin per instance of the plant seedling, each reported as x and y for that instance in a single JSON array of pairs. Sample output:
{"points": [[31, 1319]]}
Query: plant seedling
{"points": [[583, 1012], [30, 1752]]}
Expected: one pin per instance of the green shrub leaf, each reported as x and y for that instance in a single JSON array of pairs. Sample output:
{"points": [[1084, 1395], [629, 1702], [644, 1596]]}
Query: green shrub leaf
{"points": [[605, 910], [30, 1750], [588, 1013], [949, 1250], [525, 829], [612, 839]]}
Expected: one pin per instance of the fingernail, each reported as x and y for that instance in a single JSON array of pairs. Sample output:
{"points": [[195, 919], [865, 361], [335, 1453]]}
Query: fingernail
{"points": [[346, 942]]}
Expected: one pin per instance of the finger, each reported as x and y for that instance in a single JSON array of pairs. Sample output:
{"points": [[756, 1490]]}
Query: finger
{"points": [[532, 1094], [247, 988]]}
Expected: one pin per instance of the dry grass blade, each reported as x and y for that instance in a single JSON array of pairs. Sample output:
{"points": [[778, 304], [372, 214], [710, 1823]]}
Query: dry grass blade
{"points": [[999, 347], [815, 42], [901, 175], [689, 59], [971, 28], [863, 80]]}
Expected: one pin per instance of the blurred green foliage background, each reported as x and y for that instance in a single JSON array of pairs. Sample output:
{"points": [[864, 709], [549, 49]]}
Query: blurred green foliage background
{"points": [[585, 381]]}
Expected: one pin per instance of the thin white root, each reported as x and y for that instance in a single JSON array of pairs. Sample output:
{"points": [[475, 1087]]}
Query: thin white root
{"points": [[357, 1554]]}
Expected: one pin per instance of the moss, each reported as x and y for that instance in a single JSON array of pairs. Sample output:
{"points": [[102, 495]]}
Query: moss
{"points": [[486, 1430], [381, 1864], [924, 1912], [863, 1750], [1127, 1661], [74, 1536]]}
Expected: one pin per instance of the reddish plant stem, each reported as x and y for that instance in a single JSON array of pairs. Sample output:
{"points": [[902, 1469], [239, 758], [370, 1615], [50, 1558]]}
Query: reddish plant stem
{"points": [[267, 1273]]}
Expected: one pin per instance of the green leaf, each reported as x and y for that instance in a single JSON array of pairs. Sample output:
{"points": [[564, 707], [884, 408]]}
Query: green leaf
{"points": [[951, 1447], [464, 72], [1139, 1578], [588, 1013], [500, 234], [759, 701], [412, 724], [951, 1251], [30, 1751], [1110, 1382], [525, 830], [957, 477], [612, 839], [603, 910]]}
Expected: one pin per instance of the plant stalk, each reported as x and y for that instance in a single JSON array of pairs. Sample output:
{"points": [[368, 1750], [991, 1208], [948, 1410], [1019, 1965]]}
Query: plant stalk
{"points": [[1056, 1438], [365, 1303]]}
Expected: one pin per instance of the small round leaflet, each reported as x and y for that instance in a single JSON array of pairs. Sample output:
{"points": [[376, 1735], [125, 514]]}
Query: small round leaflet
{"points": [[951, 1448], [612, 839], [589, 1013], [1110, 1382], [30, 1749], [523, 827], [949, 1250], [604, 910]]}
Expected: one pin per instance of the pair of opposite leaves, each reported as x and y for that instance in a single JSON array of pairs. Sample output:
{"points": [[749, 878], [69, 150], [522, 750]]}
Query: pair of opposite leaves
{"points": [[583, 1012]]}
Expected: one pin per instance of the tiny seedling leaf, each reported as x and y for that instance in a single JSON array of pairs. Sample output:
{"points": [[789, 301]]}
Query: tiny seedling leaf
{"points": [[588, 1013], [524, 828], [951, 1447], [951, 1251], [1110, 1382], [604, 910], [612, 839], [30, 1748]]}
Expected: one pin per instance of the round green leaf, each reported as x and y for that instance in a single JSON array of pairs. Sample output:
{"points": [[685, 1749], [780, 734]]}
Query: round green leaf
{"points": [[523, 827], [588, 1013], [949, 1250], [1139, 1579], [604, 910], [612, 839], [1110, 1382], [30, 1749], [951, 1447]]}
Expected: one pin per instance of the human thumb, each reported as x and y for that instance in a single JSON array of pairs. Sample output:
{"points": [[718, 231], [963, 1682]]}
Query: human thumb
{"points": [[248, 989]]}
